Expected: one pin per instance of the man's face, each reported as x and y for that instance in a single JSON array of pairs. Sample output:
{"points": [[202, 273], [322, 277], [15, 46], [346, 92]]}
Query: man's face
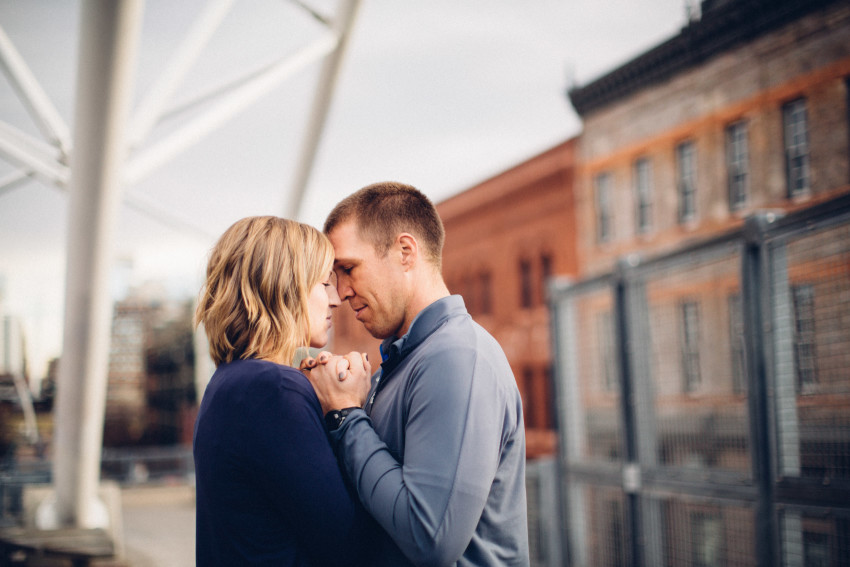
{"points": [[371, 284]]}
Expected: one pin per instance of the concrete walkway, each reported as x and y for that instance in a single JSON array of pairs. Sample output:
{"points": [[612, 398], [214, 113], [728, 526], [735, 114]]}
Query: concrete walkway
{"points": [[159, 526]]}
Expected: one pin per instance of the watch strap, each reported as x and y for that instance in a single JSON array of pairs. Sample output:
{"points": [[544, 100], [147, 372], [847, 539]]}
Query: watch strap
{"points": [[335, 418]]}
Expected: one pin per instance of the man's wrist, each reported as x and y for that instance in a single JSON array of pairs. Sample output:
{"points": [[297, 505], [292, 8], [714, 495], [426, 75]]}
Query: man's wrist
{"points": [[335, 418]]}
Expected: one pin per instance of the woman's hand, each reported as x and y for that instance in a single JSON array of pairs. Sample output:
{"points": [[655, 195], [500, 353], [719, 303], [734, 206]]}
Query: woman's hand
{"points": [[340, 381]]}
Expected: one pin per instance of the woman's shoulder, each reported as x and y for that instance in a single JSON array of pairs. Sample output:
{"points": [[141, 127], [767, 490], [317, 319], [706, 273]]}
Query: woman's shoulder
{"points": [[256, 374]]}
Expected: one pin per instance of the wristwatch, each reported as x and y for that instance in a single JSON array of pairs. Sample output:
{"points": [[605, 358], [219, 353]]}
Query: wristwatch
{"points": [[335, 418]]}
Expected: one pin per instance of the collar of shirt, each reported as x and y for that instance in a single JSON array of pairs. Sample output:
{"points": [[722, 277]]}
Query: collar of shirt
{"points": [[394, 350]]}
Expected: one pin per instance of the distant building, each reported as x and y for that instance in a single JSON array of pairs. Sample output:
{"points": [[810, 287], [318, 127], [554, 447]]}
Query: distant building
{"points": [[126, 394], [151, 381]]}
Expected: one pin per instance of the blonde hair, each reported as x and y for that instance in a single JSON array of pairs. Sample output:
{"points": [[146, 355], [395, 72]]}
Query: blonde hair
{"points": [[259, 276]]}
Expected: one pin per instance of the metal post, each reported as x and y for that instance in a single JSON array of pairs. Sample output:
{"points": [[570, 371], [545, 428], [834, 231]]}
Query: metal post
{"points": [[108, 40], [756, 304]]}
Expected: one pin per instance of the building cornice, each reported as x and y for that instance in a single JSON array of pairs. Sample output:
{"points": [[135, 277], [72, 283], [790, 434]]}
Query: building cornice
{"points": [[718, 30]]}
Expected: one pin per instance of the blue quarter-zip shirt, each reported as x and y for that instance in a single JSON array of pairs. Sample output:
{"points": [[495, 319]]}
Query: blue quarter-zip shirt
{"points": [[439, 459]]}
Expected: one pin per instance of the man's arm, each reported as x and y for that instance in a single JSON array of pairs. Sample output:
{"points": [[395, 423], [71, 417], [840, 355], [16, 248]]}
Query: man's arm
{"points": [[431, 504]]}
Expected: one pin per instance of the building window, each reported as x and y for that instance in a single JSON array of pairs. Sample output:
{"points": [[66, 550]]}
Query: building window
{"points": [[796, 128], [607, 356], [686, 180], [737, 165], [603, 208], [736, 344], [545, 274], [690, 345], [485, 302], [525, 284], [643, 195], [816, 549], [707, 534], [805, 359]]}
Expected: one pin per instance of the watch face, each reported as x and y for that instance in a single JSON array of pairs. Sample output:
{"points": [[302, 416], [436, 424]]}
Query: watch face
{"points": [[335, 418]]}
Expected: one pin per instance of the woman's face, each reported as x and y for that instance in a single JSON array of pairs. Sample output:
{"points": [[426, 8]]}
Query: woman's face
{"points": [[323, 298]]}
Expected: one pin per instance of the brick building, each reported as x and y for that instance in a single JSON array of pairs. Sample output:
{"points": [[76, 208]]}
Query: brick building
{"points": [[744, 111]]}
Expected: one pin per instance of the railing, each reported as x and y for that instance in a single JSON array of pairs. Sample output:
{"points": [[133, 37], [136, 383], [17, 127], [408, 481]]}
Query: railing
{"points": [[704, 401], [127, 466]]}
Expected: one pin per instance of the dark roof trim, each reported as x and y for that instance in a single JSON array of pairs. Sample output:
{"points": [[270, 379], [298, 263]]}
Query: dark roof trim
{"points": [[720, 29]]}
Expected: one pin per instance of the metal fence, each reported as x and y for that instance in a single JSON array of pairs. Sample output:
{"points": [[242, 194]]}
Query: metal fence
{"points": [[704, 401], [129, 466]]}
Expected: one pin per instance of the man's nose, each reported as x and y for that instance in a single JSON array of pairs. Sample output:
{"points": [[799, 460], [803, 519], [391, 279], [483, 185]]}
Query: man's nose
{"points": [[344, 289]]}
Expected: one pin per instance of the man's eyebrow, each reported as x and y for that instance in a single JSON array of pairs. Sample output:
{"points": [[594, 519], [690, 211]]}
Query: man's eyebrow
{"points": [[338, 261]]}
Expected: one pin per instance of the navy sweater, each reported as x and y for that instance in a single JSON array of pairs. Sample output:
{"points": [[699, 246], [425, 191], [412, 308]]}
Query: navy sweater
{"points": [[269, 489]]}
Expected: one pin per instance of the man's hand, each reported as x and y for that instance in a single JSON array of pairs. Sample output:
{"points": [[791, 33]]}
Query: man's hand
{"points": [[340, 381]]}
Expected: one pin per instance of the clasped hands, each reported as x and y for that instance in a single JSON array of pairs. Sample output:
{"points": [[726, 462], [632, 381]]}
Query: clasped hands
{"points": [[339, 381]]}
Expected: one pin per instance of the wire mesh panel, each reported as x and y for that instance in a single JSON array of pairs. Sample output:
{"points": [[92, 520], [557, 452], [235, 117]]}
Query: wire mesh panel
{"points": [[541, 481], [814, 539], [600, 534], [589, 385], [697, 375], [811, 273], [705, 533]]}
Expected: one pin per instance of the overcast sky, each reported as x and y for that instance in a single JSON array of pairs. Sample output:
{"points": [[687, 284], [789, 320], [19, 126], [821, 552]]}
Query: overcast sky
{"points": [[440, 94]]}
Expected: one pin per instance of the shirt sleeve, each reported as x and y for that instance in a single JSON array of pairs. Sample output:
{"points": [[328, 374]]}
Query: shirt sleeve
{"points": [[431, 504], [299, 471]]}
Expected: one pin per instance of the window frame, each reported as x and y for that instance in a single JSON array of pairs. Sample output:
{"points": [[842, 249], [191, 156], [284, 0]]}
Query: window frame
{"points": [[795, 134], [689, 333], [642, 172], [686, 180], [737, 165], [602, 189]]}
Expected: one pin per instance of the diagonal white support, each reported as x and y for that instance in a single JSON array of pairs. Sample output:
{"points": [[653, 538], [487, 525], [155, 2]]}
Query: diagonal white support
{"points": [[13, 180], [321, 104], [33, 97], [150, 110], [32, 154], [145, 162]]}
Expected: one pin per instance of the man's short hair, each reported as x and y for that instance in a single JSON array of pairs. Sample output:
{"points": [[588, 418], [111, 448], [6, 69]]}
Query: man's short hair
{"points": [[384, 210], [254, 303]]}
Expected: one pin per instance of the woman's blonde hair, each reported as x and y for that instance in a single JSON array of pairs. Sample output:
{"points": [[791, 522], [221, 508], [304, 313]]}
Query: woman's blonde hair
{"points": [[259, 276]]}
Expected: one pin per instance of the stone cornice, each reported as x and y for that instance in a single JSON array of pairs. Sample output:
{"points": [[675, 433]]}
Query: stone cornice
{"points": [[719, 30]]}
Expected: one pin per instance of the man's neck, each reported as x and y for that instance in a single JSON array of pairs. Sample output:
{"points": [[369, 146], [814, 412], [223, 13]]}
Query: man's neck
{"points": [[424, 295]]}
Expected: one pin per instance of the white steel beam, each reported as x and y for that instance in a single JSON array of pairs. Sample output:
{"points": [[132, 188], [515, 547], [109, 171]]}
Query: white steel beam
{"points": [[32, 154], [150, 110], [230, 105], [108, 41], [12, 180], [33, 97], [342, 26]]}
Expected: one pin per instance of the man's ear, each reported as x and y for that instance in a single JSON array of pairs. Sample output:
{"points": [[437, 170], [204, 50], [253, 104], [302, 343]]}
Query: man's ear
{"points": [[409, 248]]}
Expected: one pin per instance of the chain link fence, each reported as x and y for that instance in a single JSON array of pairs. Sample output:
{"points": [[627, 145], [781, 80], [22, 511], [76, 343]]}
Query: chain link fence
{"points": [[704, 401]]}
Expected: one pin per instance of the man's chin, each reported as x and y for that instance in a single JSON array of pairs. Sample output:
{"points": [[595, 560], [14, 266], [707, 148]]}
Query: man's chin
{"points": [[379, 334]]}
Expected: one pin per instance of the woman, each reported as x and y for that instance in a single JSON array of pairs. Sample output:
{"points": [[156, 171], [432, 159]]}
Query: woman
{"points": [[269, 490]]}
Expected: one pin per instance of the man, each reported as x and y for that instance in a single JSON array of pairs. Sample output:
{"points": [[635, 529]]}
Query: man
{"points": [[437, 452]]}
